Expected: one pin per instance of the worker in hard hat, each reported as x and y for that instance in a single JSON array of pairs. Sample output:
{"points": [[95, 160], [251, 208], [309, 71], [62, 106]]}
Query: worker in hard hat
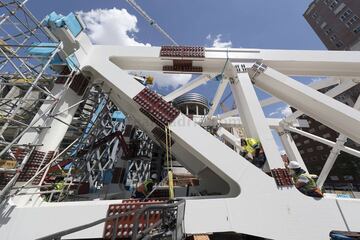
{"points": [[146, 187], [253, 151], [303, 180]]}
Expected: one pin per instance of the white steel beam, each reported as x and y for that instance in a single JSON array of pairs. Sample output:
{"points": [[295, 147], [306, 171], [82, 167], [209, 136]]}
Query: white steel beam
{"points": [[334, 153], [331, 93], [219, 92], [315, 85], [235, 122], [291, 150], [188, 87], [228, 136], [227, 114], [325, 109], [253, 117], [50, 138], [323, 140], [290, 62]]}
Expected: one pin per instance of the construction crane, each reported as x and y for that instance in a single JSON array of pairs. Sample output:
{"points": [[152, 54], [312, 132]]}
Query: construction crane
{"points": [[151, 21]]}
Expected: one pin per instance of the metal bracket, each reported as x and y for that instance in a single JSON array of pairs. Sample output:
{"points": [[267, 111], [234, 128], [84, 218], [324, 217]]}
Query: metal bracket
{"points": [[258, 68]]}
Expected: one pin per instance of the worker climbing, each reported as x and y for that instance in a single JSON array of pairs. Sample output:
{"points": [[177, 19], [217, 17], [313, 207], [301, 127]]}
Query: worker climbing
{"points": [[145, 188], [304, 181], [253, 151]]}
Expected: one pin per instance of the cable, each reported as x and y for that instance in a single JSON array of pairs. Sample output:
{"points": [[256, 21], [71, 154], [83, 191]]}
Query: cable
{"points": [[151, 21]]}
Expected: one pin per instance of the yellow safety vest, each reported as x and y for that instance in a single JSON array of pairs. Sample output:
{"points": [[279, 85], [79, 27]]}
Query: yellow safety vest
{"points": [[251, 145]]}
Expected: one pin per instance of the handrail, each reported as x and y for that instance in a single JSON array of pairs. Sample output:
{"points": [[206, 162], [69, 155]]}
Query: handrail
{"points": [[147, 208], [137, 213]]}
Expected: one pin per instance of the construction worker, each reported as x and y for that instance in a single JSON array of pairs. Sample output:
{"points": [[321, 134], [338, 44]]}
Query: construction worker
{"points": [[146, 187], [253, 151], [304, 181]]}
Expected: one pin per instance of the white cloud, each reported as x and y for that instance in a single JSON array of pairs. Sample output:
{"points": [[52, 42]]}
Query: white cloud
{"points": [[118, 27], [281, 112], [208, 37], [218, 43], [172, 81], [111, 27], [286, 111]]}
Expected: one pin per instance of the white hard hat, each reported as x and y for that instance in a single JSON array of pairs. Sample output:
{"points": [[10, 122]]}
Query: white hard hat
{"points": [[293, 165], [154, 176]]}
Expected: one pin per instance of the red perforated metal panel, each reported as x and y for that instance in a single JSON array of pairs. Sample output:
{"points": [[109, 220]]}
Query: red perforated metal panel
{"points": [[155, 108], [282, 177], [122, 228], [36, 161], [182, 51]]}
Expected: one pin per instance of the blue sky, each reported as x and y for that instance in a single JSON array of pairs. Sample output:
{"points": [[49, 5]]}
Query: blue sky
{"points": [[277, 24], [247, 23]]}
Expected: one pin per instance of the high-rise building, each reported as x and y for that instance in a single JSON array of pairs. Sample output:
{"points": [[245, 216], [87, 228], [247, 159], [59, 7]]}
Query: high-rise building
{"points": [[345, 174], [336, 22]]}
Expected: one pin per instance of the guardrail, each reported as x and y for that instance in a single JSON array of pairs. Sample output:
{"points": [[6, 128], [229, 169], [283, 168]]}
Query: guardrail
{"points": [[172, 217]]}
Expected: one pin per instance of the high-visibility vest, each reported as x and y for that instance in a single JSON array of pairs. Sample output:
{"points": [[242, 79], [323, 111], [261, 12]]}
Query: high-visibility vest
{"points": [[59, 185], [251, 145], [146, 185], [310, 185]]}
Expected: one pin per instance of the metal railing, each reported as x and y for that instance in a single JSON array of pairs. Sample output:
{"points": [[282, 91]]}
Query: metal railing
{"points": [[171, 222]]}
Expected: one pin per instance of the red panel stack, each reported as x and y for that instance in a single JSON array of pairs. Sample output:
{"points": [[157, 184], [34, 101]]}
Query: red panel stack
{"points": [[282, 177], [124, 225], [155, 108]]}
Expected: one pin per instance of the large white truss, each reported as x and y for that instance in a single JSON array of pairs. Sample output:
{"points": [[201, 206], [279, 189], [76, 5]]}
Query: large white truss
{"points": [[248, 200]]}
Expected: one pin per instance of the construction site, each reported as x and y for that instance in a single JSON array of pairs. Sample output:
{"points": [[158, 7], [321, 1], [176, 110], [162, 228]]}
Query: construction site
{"points": [[89, 150]]}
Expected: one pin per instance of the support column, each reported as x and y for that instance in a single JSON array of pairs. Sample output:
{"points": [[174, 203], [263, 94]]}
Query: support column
{"points": [[219, 92], [50, 138], [291, 150], [253, 117]]}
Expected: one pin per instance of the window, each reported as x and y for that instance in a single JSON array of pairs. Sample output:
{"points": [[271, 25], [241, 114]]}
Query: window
{"points": [[339, 44], [319, 148], [348, 178], [311, 130], [326, 135], [324, 157], [310, 150], [333, 38], [339, 8], [357, 29], [307, 141], [328, 31], [327, 2], [323, 25], [352, 20], [298, 144], [315, 15], [318, 20], [345, 15], [334, 178], [333, 4], [295, 137], [302, 151]]}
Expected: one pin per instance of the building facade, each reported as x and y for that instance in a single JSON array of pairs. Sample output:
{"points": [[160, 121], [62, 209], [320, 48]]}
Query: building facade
{"points": [[336, 22], [345, 175]]}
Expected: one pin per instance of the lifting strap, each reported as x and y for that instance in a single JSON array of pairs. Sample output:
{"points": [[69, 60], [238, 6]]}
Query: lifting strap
{"points": [[169, 161]]}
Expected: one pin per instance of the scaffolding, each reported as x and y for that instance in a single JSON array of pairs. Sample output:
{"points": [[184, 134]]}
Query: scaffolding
{"points": [[29, 71]]}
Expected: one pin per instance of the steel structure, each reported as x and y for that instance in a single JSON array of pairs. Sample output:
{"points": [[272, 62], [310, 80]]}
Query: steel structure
{"points": [[236, 196]]}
